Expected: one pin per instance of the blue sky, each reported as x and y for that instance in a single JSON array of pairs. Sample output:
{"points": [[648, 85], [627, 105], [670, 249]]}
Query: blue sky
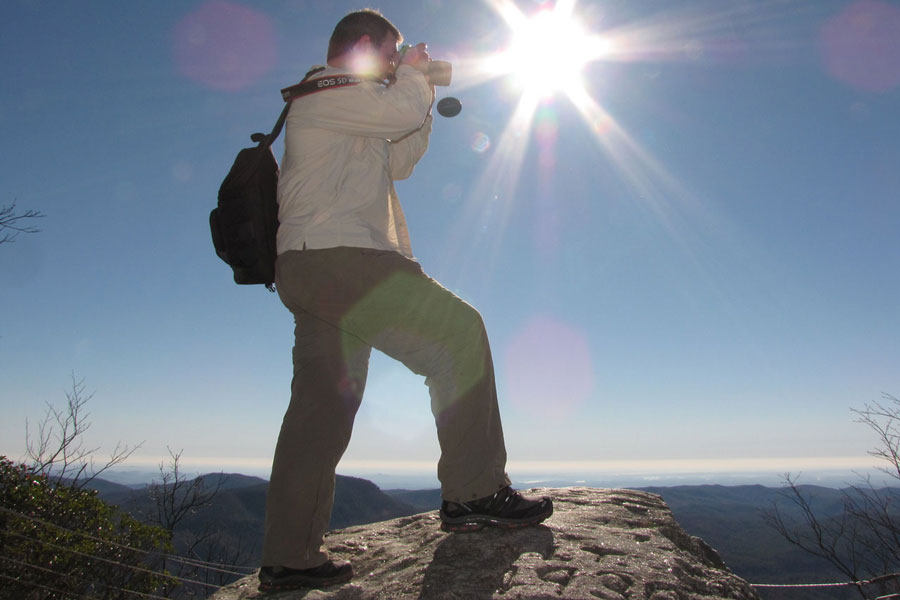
{"points": [[689, 261]]}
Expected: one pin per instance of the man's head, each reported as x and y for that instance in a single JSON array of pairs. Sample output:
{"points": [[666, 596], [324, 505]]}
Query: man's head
{"points": [[365, 41]]}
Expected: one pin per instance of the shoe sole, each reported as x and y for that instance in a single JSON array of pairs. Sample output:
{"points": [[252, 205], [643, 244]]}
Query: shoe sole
{"points": [[479, 522], [299, 583]]}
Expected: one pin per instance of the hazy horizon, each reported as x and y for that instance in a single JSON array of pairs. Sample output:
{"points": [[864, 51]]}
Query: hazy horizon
{"points": [[408, 475]]}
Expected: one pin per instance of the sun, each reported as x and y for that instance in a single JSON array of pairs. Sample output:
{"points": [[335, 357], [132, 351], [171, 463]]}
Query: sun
{"points": [[546, 54], [548, 51]]}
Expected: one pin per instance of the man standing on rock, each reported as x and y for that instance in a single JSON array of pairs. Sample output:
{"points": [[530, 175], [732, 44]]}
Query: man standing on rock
{"points": [[346, 271]]}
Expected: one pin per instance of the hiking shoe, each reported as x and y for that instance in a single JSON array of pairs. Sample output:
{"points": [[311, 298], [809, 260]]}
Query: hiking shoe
{"points": [[276, 579], [507, 508]]}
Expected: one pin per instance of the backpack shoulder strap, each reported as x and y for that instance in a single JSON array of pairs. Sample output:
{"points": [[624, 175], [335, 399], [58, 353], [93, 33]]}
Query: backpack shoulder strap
{"points": [[267, 140]]}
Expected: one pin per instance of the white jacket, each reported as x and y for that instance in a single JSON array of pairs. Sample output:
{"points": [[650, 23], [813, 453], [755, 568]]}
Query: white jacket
{"points": [[343, 148]]}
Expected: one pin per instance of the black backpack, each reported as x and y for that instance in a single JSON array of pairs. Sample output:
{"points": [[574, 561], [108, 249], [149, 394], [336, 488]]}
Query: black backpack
{"points": [[245, 222]]}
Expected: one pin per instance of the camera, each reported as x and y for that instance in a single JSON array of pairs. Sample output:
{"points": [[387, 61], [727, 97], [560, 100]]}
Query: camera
{"points": [[439, 71]]}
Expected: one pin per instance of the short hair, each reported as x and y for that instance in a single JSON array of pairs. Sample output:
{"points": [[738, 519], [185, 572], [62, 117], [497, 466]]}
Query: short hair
{"points": [[351, 28]]}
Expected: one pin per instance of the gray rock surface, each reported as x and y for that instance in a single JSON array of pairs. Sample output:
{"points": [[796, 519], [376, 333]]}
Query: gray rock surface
{"points": [[606, 544]]}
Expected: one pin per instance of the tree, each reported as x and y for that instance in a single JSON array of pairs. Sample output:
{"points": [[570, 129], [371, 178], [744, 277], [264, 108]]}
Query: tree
{"points": [[181, 505], [61, 542], [59, 539], [9, 220], [863, 540], [174, 498], [59, 530], [177, 497], [58, 451]]}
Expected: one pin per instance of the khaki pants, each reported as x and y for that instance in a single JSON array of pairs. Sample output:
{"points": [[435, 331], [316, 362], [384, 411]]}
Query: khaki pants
{"points": [[346, 301]]}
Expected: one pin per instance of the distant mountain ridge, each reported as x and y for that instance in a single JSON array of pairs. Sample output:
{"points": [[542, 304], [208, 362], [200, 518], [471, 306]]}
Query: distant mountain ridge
{"points": [[357, 500], [237, 513]]}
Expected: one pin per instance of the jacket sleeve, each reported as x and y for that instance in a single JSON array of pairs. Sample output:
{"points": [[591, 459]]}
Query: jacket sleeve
{"points": [[373, 110], [407, 151]]}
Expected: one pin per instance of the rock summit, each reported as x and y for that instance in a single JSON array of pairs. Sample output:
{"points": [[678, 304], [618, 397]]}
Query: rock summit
{"points": [[599, 544]]}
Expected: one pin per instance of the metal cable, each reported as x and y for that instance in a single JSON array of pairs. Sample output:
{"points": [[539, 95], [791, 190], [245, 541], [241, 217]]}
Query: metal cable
{"points": [[46, 570], [190, 561]]}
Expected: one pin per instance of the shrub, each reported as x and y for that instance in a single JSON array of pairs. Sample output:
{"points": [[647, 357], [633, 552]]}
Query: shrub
{"points": [[58, 541]]}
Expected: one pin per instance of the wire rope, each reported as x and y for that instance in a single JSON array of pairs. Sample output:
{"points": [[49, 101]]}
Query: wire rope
{"points": [[57, 573], [175, 558], [113, 562]]}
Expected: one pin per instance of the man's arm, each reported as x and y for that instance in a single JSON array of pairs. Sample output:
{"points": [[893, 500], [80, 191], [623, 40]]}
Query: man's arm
{"points": [[407, 151], [371, 109]]}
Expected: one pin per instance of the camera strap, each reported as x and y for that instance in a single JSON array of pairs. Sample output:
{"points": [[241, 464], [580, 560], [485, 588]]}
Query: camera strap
{"points": [[320, 84], [306, 87]]}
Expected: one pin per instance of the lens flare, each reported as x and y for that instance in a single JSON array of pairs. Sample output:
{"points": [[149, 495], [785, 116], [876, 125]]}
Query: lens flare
{"points": [[481, 142], [861, 45], [452, 192], [224, 45], [182, 171], [548, 369], [546, 132]]}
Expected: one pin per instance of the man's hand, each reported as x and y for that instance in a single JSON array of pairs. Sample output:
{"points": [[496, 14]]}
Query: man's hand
{"points": [[417, 57]]}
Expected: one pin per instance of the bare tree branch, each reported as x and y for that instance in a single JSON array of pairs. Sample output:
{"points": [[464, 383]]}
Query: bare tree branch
{"points": [[885, 422], [58, 451], [816, 536], [10, 220], [863, 541], [175, 498]]}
